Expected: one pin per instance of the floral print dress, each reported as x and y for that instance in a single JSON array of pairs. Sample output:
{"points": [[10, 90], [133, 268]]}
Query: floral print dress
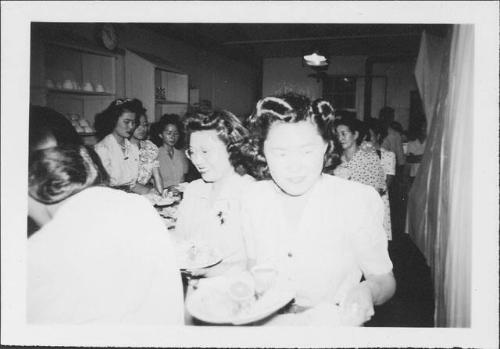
{"points": [[366, 167], [148, 160]]}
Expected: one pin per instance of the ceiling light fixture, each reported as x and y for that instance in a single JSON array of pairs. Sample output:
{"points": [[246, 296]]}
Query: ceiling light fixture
{"points": [[315, 59]]}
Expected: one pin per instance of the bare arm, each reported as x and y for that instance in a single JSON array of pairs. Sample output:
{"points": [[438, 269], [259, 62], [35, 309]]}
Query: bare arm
{"points": [[158, 180], [382, 287]]}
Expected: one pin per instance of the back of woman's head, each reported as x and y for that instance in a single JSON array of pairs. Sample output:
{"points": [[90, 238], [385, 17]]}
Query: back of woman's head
{"points": [[59, 172], [228, 127], [106, 120], [47, 124], [287, 108]]}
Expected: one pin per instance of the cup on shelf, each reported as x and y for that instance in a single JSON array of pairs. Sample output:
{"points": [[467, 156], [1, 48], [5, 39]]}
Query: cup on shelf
{"points": [[84, 123], [68, 84], [99, 88], [88, 87], [87, 129], [49, 83], [76, 86]]}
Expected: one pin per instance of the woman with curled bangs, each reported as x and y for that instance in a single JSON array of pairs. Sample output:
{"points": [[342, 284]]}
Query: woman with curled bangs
{"points": [[210, 212], [101, 255], [321, 232]]}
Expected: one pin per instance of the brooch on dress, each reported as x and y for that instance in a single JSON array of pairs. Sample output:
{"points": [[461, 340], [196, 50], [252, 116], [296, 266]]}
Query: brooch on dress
{"points": [[221, 217]]}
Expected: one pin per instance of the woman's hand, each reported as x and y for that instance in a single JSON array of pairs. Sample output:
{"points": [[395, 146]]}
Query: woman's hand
{"points": [[357, 307]]}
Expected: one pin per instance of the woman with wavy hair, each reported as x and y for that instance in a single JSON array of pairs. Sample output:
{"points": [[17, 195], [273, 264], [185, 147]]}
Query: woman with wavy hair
{"points": [[114, 126], [101, 255], [210, 210], [321, 232]]}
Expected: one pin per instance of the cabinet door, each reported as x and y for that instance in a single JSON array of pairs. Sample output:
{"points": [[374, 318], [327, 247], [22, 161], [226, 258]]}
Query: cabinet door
{"points": [[139, 81]]}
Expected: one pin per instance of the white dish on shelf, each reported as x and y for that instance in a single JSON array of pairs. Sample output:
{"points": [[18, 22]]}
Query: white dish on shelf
{"points": [[99, 88], [68, 84], [88, 87]]}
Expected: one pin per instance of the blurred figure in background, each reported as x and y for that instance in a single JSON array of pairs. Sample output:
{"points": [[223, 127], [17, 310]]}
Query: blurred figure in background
{"points": [[415, 150], [388, 162], [102, 255]]}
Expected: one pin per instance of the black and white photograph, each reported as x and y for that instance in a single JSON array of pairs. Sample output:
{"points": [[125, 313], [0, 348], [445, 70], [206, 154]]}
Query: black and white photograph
{"points": [[250, 174]]}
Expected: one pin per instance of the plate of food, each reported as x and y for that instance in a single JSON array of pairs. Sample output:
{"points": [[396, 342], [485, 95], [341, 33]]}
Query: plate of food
{"points": [[196, 256], [229, 301]]}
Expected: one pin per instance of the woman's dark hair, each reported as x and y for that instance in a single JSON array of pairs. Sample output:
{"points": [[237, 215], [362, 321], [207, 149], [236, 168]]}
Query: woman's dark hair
{"points": [[228, 127], [46, 123], [158, 127], [59, 172], [287, 108], [354, 125], [105, 121], [396, 126]]}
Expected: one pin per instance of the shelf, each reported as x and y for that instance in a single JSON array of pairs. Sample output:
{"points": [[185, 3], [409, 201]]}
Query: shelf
{"points": [[164, 101], [79, 92]]}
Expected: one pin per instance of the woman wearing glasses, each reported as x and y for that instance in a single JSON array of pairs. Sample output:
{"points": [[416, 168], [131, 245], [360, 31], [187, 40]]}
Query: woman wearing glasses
{"points": [[173, 162], [114, 126], [322, 232], [210, 212]]}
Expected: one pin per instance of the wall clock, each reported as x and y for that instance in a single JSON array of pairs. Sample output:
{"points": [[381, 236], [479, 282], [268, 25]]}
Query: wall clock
{"points": [[108, 36]]}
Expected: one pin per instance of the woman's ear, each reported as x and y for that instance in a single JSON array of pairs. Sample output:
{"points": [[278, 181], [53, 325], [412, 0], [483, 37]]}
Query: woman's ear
{"points": [[356, 135]]}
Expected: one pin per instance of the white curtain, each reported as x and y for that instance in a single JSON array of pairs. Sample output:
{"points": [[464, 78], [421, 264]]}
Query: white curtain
{"points": [[440, 201]]}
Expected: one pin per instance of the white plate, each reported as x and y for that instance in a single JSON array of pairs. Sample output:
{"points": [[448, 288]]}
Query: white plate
{"points": [[204, 256], [211, 302]]}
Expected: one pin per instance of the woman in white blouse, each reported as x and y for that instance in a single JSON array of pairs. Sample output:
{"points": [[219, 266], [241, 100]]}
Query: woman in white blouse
{"points": [[114, 126], [210, 211], [321, 231], [102, 256]]}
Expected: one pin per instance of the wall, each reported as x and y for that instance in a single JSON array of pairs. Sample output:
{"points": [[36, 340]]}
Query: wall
{"points": [[225, 82], [400, 81], [285, 74]]}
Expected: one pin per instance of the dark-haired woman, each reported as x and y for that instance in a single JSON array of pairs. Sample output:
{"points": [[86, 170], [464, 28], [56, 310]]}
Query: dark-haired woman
{"points": [[174, 164], [321, 232], [102, 255], [114, 126], [358, 164], [210, 211]]}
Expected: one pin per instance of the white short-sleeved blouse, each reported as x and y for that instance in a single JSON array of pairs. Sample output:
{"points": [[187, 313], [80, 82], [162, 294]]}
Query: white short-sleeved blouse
{"points": [[105, 257], [122, 166], [218, 224], [339, 237]]}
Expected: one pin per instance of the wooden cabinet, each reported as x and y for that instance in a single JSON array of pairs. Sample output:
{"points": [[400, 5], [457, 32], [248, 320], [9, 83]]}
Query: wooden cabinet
{"points": [[162, 88], [73, 80]]}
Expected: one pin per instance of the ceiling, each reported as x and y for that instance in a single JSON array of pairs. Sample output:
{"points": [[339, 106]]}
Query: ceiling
{"points": [[251, 42]]}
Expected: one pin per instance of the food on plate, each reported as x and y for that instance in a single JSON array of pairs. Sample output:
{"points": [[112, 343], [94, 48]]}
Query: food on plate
{"points": [[242, 292], [264, 278], [196, 255]]}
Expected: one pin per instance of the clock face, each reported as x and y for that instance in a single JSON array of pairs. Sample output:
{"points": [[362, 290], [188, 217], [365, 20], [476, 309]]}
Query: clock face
{"points": [[109, 37]]}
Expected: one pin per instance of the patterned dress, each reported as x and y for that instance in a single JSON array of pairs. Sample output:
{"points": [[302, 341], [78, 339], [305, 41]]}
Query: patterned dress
{"points": [[148, 160], [367, 167]]}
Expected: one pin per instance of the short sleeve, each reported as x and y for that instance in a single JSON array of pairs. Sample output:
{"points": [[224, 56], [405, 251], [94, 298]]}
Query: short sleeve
{"points": [[105, 157], [369, 239], [388, 160]]}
